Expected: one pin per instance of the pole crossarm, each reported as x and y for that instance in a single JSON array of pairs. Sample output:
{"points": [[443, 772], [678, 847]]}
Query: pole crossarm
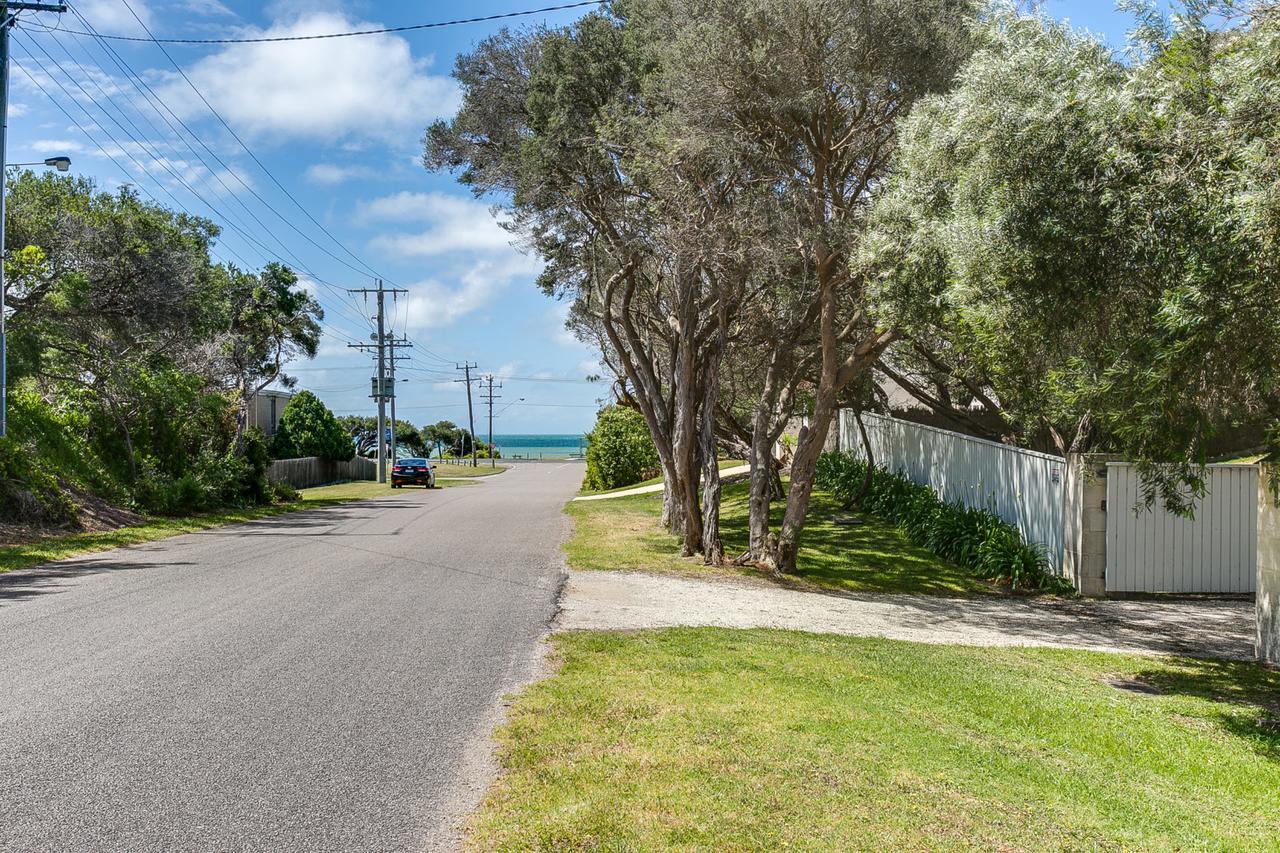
{"points": [[34, 7]]}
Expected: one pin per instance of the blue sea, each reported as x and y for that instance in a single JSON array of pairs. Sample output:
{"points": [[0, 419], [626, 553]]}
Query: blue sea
{"points": [[540, 446]]}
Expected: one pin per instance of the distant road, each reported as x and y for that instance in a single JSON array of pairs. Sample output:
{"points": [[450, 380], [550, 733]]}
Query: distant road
{"points": [[325, 680]]}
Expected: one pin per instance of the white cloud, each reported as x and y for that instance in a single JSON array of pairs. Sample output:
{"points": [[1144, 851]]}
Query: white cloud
{"points": [[57, 146], [461, 228], [329, 174], [207, 7], [456, 223], [324, 89], [112, 17], [18, 110], [435, 303]]}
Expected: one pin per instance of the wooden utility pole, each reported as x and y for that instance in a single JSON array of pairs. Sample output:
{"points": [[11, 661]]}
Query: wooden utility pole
{"points": [[471, 418], [391, 362], [383, 388], [489, 398]]}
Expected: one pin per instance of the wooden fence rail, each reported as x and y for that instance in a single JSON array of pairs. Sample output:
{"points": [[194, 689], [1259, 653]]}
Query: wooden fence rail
{"points": [[314, 471]]}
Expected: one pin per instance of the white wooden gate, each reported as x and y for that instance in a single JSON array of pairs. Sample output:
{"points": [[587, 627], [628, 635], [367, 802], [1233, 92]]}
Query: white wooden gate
{"points": [[1156, 551]]}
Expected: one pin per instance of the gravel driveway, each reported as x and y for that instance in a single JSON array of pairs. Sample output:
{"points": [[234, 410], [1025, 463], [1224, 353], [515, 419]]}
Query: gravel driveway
{"points": [[1209, 627]]}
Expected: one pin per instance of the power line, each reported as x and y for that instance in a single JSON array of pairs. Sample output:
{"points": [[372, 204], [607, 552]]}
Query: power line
{"points": [[152, 39], [155, 102], [366, 270], [332, 331], [252, 155], [247, 150], [150, 149]]}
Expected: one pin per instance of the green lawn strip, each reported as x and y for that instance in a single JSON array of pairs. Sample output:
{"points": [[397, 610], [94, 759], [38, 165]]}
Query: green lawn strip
{"points": [[75, 544], [451, 469], [722, 465], [875, 556], [729, 740]]}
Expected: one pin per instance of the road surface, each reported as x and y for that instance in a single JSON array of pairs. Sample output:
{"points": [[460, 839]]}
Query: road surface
{"points": [[324, 680]]}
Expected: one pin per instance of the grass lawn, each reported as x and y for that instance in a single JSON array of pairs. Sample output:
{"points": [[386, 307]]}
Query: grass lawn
{"points": [[453, 469], [653, 481], [624, 533], [730, 740], [73, 544]]}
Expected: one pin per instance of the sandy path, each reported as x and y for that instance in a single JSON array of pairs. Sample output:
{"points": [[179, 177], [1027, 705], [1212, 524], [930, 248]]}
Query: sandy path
{"points": [[1211, 627]]}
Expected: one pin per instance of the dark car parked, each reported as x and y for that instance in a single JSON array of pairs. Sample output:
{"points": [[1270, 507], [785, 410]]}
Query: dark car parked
{"points": [[413, 472]]}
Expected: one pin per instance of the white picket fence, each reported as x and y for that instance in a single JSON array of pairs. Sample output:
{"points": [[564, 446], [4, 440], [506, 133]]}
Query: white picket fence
{"points": [[1023, 487], [1153, 550]]}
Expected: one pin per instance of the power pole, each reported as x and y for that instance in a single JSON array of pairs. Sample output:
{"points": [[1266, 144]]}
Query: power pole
{"points": [[8, 17], [471, 418], [391, 360], [489, 398], [382, 387]]}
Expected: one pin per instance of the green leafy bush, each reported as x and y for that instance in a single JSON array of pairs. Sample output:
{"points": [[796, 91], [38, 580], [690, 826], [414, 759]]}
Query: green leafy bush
{"points": [[971, 537], [28, 492], [308, 428], [217, 480], [619, 450]]}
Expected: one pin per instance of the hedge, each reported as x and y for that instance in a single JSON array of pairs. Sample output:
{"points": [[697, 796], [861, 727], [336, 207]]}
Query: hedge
{"points": [[976, 539]]}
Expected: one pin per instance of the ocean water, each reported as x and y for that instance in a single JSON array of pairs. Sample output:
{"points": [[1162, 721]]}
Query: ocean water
{"points": [[526, 446]]}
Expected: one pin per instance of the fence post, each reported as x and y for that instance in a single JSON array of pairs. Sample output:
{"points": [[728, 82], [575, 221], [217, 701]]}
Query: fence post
{"points": [[1268, 595], [1084, 523]]}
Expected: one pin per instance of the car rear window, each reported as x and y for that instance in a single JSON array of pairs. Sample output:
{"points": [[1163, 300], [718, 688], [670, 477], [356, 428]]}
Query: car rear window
{"points": [[418, 462]]}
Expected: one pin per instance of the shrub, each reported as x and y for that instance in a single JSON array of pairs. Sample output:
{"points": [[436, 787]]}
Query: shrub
{"points": [[971, 537], [217, 480], [308, 428], [620, 451], [28, 492]]}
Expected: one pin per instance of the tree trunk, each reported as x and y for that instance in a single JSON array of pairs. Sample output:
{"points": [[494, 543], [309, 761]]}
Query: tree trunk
{"points": [[836, 373], [870, 459], [762, 473], [712, 547]]}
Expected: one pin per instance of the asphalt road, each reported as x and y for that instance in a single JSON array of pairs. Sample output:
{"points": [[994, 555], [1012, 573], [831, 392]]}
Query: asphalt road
{"points": [[324, 680]]}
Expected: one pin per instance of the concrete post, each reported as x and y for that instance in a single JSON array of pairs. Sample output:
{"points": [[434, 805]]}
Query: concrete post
{"points": [[1268, 641], [1084, 522]]}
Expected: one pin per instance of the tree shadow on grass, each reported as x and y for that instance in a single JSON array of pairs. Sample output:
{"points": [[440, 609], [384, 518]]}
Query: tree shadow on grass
{"points": [[1246, 696], [872, 556]]}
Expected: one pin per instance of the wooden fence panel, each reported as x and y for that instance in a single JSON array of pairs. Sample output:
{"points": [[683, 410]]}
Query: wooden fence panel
{"points": [[313, 471]]}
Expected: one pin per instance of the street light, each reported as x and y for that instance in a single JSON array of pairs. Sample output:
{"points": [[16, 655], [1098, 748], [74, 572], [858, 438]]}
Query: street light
{"points": [[62, 164]]}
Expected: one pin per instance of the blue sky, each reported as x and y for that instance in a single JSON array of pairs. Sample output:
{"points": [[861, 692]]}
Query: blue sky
{"points": [[338, 124]]}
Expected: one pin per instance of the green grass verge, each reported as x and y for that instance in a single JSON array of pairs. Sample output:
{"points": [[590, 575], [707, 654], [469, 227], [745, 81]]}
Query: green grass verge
{"points": [[74, 544], [624, 533], [717, 739], [450, 469], [653, 481]]}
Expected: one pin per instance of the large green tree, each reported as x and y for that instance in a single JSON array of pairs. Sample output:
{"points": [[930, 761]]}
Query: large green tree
{"points": [[308, 428], [695, 175], [127, 334], [1082, 237]]}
